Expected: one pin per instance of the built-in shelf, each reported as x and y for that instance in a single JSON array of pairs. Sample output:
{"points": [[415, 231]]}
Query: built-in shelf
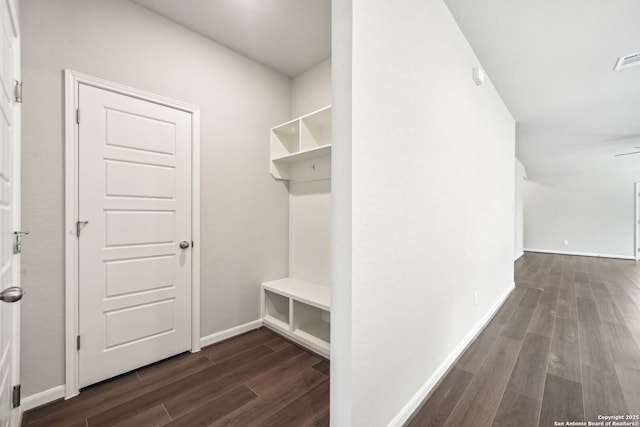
{"points": [[311, 153], [299, 140], [300, 152], [300, 311]]}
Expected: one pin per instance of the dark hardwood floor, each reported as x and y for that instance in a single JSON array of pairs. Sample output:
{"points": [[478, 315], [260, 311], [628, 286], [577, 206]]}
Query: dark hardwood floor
{"points": [[256, 379], [565, 346]]}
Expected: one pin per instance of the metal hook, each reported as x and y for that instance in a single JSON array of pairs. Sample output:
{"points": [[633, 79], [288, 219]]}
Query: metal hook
{"points": [[78, 226]]}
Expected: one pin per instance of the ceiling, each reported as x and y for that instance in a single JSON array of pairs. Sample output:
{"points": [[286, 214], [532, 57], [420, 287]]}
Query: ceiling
{"points": [[288, 36], [552, 62]]}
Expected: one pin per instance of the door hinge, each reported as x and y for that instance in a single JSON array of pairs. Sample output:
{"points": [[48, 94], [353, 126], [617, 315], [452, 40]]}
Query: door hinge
{"points": [[78, 342], [77, 115], [17, 92], [17, 241], [15, 396]]}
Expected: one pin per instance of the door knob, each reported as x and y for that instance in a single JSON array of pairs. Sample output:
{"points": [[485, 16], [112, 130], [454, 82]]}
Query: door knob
{"points": [[11, 294], [184, 244]]}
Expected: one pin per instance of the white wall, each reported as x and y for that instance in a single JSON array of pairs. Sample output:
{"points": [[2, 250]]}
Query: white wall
{"points": [[432, 204], [594, 212], [341, 395], [310, 202], [311, 90], [518, 240], [310, 231], [244, 210]]}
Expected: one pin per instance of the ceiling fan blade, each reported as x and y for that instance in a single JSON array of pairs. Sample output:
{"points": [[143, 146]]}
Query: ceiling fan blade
{"points": [[626, 154]]}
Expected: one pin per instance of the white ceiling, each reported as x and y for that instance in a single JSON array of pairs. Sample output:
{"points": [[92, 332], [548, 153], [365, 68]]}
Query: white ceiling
{"points": [[552, 62], [288, 36]]}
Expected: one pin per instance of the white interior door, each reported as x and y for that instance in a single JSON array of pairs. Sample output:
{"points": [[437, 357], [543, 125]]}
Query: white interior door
{"points": [[135, 196], [9, 215]]}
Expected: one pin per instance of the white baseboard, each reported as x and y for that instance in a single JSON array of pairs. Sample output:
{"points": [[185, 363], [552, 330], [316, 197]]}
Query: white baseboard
{"points": [[448, 363], [230, 333], [548, 251], [42, 398], [520, 255]]}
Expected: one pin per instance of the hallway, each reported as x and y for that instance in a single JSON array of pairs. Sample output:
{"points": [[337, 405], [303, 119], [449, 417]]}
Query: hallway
{"points": [[565, 346]]}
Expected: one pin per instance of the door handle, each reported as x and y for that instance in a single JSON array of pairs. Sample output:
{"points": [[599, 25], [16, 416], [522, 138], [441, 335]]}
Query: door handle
{"points": [[11, 294], [184, 244]]}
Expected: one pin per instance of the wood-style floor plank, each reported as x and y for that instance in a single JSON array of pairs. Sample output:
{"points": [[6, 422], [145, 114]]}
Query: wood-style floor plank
{"points": [[477, 352], [583, 285], [562, 401], [567, 308], [216, 408], [564, 353], [530, 371], [179, 403], [479, 402], [519, 322], [105, 396], [286, 369], [163, 393], [594, 350], [545, 314], [506, 311], [607, 308], [623, 300], [229, 348], [602, 393], [273, 400], [517, 410], [155, 416], [323, 367], [587, 312], [439, 406], [629, 380], [308, 409], [177, 388], [624, 350]]}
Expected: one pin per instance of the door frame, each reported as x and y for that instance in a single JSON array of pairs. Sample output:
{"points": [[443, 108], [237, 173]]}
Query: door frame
{"points": [[73, 79], [636, 223], [14, 357]]}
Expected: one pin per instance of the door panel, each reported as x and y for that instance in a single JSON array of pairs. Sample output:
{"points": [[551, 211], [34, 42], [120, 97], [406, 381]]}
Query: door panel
{"points": [[139, 228], [138, 275], [135, 192], [122, 180], [129, 130]]}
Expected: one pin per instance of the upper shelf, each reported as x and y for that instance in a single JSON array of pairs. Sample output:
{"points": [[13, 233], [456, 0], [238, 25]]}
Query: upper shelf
{"points": [[311, 153], [302, 140]]}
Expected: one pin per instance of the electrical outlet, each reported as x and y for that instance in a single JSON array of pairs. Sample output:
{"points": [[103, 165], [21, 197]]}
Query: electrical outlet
{"points": [[566, 242], [475, 297]]}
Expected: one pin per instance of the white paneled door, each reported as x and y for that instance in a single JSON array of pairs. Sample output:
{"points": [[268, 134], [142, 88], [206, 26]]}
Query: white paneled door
{"points": [[10, 292], [134, 213]]}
